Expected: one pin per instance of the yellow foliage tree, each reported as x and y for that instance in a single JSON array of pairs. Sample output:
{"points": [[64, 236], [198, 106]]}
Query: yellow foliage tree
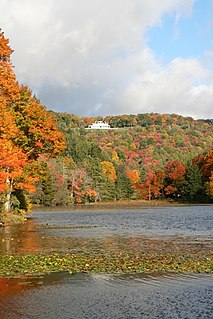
{"points": [[109, 170]]}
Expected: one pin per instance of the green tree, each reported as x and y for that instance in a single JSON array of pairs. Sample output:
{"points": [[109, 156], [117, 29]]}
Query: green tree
{"points": [[144, 120], [192, 187], [106, 189], [123, 185], [48, 189]]}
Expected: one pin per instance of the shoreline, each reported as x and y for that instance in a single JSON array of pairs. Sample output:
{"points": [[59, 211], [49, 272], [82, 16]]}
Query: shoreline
{"points": [[121, 204]]}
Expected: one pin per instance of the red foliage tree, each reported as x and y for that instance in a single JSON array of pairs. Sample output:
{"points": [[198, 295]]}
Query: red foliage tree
{"points": [[205, 164], [174, 177]]}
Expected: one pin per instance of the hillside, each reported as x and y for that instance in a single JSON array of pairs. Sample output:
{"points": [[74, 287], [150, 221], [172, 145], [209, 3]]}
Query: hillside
{"points": [[141, 138], [144, 156]]}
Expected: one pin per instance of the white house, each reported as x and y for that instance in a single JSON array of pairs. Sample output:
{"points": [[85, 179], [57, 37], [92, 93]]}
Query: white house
{"points": [[99, 125]]}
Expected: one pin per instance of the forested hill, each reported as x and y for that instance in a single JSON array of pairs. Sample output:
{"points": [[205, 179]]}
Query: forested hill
{"points": [[144, 156], [144, 138]]}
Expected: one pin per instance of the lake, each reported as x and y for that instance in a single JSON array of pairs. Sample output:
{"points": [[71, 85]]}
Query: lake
{"points": [[85, 295]]}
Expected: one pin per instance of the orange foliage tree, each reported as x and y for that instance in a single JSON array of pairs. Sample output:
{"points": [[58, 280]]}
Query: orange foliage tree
{"points": [[26, 131], [9, 89], [152, 184], [38, 130], [14, 172], [133, 175]]}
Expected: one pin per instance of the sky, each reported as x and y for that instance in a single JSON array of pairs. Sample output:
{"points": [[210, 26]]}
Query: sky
{"points": [[111, 57]]}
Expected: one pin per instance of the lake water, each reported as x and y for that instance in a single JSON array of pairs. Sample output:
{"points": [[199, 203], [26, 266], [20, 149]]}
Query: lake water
{"points": [[154, 295]]}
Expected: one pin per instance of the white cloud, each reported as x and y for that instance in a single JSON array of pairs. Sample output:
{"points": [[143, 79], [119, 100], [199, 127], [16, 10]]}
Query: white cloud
{"points": [[91, 57], [178, 88]]}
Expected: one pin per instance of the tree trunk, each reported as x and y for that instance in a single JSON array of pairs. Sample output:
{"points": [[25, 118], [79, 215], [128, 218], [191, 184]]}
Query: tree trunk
{"points": [[149, 193], [7, 205]]}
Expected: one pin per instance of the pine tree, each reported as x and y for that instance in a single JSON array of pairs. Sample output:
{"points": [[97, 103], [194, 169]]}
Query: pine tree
{"points": [[192, 187]]}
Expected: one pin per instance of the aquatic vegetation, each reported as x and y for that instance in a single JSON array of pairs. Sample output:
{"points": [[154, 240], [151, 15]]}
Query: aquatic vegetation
{"points": [[103, 262]]}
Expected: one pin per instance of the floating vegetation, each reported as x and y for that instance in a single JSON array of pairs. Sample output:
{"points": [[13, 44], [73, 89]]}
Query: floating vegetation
{"points": [[102, 262], [29, 250]]}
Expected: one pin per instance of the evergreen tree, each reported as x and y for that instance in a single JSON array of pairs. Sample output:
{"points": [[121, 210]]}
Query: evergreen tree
{"points": [[48, 190], [192, 187], [123, 185], [105, 189]]}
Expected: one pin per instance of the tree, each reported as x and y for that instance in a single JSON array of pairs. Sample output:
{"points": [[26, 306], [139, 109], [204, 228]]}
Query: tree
{"points": [[209, 187], [133, 175], [151, 184], [205, 164], [105, 189], [8, 128], [144, 120], [9, 89], [123, 185], [192, 188], [174, 177], [109, 170], [14, 172], [80, 187], [26, 131], [38, 130]]}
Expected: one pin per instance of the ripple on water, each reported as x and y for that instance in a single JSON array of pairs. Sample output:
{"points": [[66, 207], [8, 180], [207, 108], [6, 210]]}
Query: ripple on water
{"points": [[79, 296]]}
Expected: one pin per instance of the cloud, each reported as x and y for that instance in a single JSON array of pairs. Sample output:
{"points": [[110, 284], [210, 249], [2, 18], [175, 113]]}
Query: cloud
{"points": [[91, 57], [180, 87]]}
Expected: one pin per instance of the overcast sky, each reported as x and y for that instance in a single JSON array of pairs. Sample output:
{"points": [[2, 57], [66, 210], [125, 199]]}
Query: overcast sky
{"points": [[109, 57]]}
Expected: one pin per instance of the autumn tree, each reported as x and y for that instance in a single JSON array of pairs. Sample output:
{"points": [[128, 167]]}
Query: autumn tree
{"points": [[9, 89], [174, 178], [38, 130], [133, 175], [108, 169], [151, 184], [8, 128], [14, 171], [80, 186], [26, 131], [205, 165]]}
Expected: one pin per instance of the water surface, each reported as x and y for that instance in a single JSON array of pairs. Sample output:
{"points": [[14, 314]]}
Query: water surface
{"points": [[154, 295], [103, 296]]}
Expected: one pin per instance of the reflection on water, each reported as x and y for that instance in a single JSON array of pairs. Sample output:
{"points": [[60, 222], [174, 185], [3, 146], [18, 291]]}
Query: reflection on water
{"points": [[28, 238], [176, 228], [151, 296]]}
